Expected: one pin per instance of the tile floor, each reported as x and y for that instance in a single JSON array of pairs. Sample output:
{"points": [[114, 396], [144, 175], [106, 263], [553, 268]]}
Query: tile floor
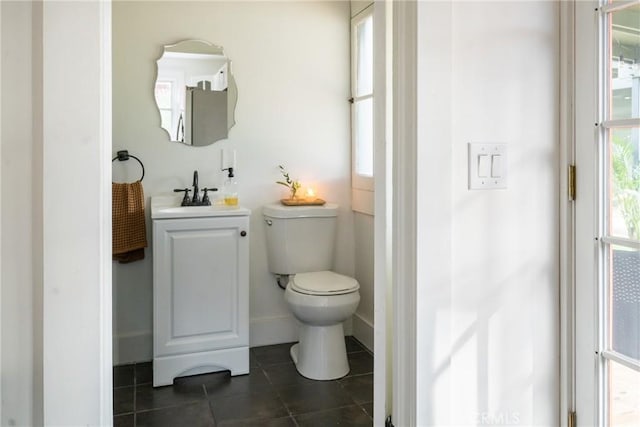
{"points": [[272, 395]]}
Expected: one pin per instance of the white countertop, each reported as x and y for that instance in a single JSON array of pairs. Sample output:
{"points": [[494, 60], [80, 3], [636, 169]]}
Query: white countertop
{"points": [[168, 206]]}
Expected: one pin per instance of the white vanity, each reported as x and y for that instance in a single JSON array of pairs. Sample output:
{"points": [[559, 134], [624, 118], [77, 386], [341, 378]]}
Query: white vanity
{"points": [[200, 289]]}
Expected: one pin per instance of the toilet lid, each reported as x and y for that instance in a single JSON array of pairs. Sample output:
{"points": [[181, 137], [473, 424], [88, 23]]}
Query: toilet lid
{"points": [[324, 283]]}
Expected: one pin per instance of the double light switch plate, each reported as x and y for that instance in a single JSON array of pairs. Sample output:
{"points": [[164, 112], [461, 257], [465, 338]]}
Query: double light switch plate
{"points": [[487, 166]]}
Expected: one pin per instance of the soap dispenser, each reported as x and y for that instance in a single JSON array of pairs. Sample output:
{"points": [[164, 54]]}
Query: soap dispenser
{"points": [[230, 189]]}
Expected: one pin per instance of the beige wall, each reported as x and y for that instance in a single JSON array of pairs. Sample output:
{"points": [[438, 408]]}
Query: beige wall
{"points": [[291, 64]]}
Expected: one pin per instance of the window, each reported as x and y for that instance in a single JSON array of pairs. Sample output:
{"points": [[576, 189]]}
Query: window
{"points": [[362, 101], [619, 216], [164, 98], [169, 94]]}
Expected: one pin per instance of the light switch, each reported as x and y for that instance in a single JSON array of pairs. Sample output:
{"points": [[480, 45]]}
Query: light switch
{"points": [[488, 164], [496, 166], [484, 165]]}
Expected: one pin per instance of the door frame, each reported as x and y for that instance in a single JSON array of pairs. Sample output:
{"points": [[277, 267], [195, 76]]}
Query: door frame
{"points": [[585, 227], [403, 178], [577, 303], [383, 281], [567, 211], [76, 252]]}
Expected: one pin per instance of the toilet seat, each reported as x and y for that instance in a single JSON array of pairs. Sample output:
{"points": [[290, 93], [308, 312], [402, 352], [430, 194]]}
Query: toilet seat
{"points": [[323, 283]]}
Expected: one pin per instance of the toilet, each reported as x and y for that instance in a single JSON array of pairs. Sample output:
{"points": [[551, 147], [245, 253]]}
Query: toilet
{"points": [[300, 243]]}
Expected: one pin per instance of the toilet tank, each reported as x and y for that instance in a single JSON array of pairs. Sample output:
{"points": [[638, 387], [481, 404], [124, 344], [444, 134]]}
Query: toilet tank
{"points": [[300, 238]]}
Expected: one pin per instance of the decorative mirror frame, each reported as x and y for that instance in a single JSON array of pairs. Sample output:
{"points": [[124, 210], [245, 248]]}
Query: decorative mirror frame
{"points": [[191, 97]]}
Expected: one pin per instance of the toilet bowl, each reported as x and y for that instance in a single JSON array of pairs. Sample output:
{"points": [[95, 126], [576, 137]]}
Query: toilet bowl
{"points": [[321, 301], [300, 244]]}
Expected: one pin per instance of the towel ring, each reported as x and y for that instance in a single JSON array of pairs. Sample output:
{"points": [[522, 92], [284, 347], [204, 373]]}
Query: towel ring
{"points": [[123, 155]]}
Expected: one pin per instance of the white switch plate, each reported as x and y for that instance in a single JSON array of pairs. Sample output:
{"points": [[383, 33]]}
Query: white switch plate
{"points": [[477, 182]]}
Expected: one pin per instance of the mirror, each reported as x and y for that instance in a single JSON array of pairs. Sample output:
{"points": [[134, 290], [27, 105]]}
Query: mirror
{"points": [[195, 92]]}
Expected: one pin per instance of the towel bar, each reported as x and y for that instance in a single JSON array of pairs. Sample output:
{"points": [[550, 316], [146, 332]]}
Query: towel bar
{"points": [[123, 155]]}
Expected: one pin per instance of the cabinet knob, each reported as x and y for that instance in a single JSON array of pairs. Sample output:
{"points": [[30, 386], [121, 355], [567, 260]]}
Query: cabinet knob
{"points": [[243, 233]]}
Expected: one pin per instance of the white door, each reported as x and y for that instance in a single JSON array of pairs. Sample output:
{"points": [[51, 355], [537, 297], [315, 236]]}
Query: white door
{"points": [[200, 284], [607, 243]]}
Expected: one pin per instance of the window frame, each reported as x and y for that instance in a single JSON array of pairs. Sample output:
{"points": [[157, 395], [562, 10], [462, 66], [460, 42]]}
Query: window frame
{"points": [[362, 185], [589, 332], [607, 238], [177, 93]]}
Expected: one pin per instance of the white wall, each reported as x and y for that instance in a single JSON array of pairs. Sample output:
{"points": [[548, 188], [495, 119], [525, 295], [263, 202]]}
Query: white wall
{"points": [[488, 322], [76, 206], [56, 233], [364, 267], [17, 216], [291, 64]]}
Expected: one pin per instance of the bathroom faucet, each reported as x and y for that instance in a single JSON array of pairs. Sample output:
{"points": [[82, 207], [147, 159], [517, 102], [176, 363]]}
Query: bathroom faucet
{"points": [[195, 201], [196, 192]]}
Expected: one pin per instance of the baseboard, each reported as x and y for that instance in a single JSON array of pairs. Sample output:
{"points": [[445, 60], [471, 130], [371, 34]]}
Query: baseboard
{"points": [[132, 347], [363, 331], [272, 330], [138, 346]]}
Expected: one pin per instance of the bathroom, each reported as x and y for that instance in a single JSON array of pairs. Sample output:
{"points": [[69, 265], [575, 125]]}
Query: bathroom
{"points": [[291, 64]]}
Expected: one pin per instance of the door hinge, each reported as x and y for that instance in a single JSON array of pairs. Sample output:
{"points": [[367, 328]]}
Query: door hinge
{"points": [[572, 182], [388, 423], [572, 419]]}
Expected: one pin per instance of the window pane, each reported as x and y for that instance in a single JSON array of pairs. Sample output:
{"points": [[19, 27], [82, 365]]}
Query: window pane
{"points": [[624, 396], [625, 63], [624, 203], [624, 301], [163, 94], [364, 66], [364, 137]]}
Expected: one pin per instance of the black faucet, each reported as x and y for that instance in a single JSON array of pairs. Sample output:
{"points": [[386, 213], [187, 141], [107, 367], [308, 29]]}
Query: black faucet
{"points": [[195, 201], [196, 192]]}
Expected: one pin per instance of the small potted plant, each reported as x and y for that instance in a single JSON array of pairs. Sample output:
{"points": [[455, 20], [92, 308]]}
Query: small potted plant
{"points": [[292, 184], [294, 198]]}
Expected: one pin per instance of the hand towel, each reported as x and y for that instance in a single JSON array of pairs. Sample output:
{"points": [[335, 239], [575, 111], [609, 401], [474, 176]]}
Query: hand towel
{"points": [[128, 226]]}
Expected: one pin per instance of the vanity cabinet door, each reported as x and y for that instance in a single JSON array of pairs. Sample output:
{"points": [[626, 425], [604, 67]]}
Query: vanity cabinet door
{"points": [[201, 284]]}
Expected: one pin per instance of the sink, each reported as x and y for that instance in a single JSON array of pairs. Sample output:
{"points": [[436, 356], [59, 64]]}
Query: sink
{"points": [[165, 207]]}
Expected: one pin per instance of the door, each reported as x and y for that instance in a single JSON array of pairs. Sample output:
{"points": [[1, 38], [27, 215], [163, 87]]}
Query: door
{"points": [[607, 243], [200, 285]]}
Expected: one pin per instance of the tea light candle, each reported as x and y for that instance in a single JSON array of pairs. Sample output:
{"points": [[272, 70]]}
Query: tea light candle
{"points": [[310, 194]]}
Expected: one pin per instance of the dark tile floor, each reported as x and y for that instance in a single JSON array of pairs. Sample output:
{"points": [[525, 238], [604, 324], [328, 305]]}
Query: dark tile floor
{"points": [[272, 395]]}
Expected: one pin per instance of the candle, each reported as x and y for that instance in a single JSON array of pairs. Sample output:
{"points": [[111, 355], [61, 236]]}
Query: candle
{"points": [[310, 194]]}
